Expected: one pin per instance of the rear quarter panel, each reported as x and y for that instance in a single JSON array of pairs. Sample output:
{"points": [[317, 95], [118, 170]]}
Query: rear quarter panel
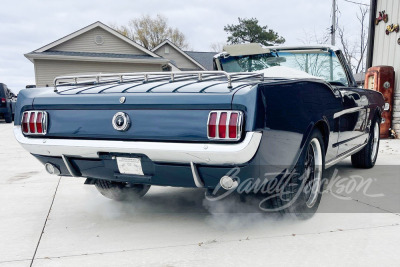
{"points": [[286, 112]]}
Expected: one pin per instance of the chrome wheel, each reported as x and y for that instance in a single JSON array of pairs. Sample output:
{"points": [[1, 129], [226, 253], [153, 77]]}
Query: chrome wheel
{"points": [[313, 171], [375, 142]]}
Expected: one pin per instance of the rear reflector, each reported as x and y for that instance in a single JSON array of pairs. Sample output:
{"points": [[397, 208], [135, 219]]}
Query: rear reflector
{"points": [[34, 123], [225, 125]]}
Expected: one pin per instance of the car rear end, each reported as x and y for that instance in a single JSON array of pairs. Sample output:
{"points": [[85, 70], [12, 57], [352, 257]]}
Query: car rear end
{"points": [[186, 134], [3, 102]]}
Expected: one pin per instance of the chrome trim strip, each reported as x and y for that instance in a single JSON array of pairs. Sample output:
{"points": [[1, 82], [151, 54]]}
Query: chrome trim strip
{"points": [[198, 153], [344, 155], [196, 177], [217, 124], [70, 168], [346, 111], [228, 119], [44, 122], [35, 120], [350, 139]]}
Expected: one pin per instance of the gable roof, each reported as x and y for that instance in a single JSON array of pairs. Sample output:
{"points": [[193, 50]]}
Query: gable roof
{"points": [[90, 27], [92, 56], [180, 51], [204, 58]]}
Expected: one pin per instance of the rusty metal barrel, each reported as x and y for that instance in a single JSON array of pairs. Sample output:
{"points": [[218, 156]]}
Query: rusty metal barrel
{"points": [[381, 79]]}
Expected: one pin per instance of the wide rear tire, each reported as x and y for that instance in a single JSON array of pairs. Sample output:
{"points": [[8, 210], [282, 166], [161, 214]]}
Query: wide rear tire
{"points": [[303, 191], [121, 191], [366, 158]]}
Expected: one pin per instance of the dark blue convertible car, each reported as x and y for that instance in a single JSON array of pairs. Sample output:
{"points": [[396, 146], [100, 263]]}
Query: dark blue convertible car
{"points": [[263, 113]]}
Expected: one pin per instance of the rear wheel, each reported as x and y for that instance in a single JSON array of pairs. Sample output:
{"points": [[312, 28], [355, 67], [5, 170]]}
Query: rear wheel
{"points": [[121, 191], [366, 157], [301, 194]]}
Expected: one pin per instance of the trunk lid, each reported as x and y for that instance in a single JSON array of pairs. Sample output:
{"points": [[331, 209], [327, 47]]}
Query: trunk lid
{"points": [[158, 110]]}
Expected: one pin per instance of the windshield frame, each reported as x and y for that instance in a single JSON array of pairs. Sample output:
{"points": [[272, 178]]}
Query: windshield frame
{"points": [[349, 76]]}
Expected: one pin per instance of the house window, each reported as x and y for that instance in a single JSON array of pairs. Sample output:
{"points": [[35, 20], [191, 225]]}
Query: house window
{"points": [[166, 50]]}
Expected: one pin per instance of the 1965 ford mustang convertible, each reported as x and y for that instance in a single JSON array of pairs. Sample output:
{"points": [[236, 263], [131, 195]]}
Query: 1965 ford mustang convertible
{"points": [[263, 112]]}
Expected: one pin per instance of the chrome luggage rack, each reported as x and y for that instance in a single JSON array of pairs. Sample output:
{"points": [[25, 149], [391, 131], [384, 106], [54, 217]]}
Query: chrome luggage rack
{"points": [[145, 77]]}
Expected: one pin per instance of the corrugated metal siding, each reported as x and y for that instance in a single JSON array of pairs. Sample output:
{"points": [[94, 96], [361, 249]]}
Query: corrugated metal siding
{"points": [[180, 60], [86, 43], [47, 70], [387, 51]]}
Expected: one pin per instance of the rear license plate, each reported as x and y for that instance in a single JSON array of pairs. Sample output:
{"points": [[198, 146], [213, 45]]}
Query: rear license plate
{"points": [[130, 166]]}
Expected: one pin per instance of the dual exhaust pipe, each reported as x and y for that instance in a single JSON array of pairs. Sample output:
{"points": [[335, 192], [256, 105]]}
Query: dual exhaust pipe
{"points": [[226, 182], [52, 169]]}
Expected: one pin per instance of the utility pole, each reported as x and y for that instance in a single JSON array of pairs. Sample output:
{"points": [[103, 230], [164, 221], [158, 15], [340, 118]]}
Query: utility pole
{"points": [[333, 27]]}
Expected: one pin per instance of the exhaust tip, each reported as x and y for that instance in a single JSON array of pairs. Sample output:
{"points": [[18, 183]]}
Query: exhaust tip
{"points": [[228, 183], [52, 169]]}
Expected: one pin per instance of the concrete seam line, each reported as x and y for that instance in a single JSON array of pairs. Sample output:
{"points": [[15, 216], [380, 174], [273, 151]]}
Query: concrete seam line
{"points": [[45, 222], [8, 261], [367, 204], [223, 241]]}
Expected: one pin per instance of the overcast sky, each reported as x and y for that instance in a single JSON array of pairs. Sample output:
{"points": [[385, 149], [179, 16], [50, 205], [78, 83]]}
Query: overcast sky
{"points": [[26, 25]]}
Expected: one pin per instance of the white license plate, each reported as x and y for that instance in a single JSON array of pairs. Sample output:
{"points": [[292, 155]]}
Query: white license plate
{"points": [[130, 166]]}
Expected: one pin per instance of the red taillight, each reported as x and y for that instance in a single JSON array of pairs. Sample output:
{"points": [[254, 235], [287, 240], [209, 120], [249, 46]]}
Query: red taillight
{"points": [[225, 125], [212, 125], [34, 122], [39, 125], [233, 126], [25, 128], [222, 125], [3, 100]]}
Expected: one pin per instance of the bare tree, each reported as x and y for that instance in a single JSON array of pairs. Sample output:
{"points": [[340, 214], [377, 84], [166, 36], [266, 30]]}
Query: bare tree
{"points": [[150, 32], [355, 51], [354, 47], [310, 38], [217, 46]]}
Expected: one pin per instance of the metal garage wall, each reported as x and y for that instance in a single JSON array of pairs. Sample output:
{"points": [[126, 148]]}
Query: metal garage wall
{"points": [[387, 51], [47, 70]]}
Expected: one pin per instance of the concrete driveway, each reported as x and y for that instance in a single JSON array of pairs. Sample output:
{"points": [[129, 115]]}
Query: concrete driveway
{"points": [[51, 221]]}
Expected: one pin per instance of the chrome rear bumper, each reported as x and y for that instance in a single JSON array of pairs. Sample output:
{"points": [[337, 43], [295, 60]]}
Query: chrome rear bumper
{"points": [[198, 153]]}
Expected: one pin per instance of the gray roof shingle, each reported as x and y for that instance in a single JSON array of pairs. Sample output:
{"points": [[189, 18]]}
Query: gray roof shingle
{"points": [[203, 58]]}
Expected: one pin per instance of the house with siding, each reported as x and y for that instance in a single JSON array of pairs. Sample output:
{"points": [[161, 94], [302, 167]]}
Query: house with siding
{"points": [[95, 48], [98, 48], [185, 60], [384, 49]]}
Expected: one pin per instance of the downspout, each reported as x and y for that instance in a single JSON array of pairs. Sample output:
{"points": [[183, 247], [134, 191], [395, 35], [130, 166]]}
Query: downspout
{"points": [[371, 35]]}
